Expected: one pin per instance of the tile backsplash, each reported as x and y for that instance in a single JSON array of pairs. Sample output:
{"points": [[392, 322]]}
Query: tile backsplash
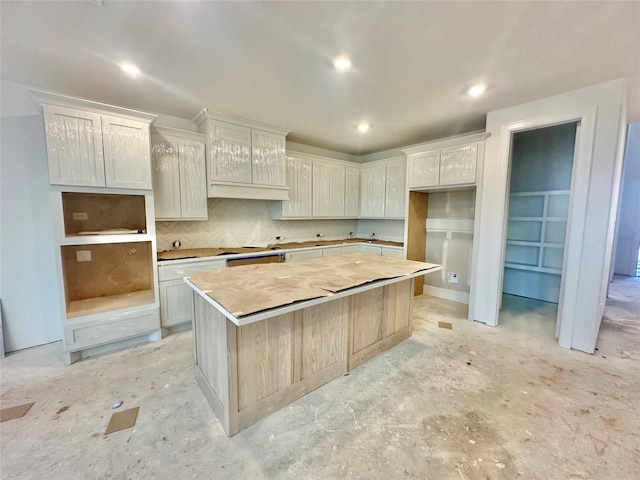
{"points": [[247, 223]]}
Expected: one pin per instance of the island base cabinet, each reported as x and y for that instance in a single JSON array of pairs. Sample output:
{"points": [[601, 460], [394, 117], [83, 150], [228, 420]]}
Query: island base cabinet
{"points": [[379, 320], [251, 371]]}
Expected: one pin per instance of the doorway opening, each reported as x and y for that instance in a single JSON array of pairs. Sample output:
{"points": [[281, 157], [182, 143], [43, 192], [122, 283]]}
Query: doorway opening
{"points": [[540, 174]]}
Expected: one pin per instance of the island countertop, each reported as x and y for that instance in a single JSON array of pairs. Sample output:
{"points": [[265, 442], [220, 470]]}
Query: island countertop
{"points": [[251, 293]]}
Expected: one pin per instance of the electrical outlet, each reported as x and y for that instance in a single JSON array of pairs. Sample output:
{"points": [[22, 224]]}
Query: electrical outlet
{"points": [[80, 216], [83, 255], [452, 277]]}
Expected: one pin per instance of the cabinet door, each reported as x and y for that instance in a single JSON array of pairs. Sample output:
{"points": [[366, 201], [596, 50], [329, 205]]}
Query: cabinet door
{"points": [[394, 205], [176, 303], [352, 192], [458, 165], [372, 191], [303, 255], [230, 152], [424, 169], [74, 147], [127, 157], [337, 190], [321, 190], [166, 177], [267, 158], [299, 183], [193, 176]]}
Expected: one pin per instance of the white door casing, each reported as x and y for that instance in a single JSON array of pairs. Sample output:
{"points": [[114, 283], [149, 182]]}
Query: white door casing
{"points": [[595, 180]]}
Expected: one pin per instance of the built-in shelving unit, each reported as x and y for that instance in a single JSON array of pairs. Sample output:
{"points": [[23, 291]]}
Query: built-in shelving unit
{"points": [[106, 252], [536, 231]]}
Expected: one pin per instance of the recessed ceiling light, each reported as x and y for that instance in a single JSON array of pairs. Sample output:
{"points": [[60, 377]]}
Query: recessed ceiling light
{"points": [[342, 62], [130, 68], [363, 127], [476, 90]]}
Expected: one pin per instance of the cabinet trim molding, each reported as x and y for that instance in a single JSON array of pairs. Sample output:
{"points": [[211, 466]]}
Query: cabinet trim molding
{"points": [[51, 98], [458, 140], [205, 114]]}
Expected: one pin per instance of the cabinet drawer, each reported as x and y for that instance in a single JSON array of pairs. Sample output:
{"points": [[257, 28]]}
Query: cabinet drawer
{"points": [[111, 329], [304, 255], [348, 249], [392, 252], [370, 249], [330, 251], [173, 272]]}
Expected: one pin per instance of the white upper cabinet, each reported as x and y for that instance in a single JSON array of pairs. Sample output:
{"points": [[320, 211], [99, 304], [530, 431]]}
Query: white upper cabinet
{"points": [[449, 162], [246, 159], [352, 192], [319, 187], [230, 152], [424, 169], [458, 165], [127, 161], [395, 193], [372, 191], [382, 189], [298, 172], [74, 147], [90, 145], [328, 189], [179, 175], [267, 158]]}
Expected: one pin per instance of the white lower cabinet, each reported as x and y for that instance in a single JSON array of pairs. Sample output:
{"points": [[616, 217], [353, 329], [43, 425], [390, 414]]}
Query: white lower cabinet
{"points": [[331, 251], [394, 252], [349, 249], [176, 302], [303, 255], [370, 249], [176, 298]]}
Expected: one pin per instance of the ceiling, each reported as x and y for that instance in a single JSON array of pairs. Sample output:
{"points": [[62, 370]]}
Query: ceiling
{"points": [[272, 61]]}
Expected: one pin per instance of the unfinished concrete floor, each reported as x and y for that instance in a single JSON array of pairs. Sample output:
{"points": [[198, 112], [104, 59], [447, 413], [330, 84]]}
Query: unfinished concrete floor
{"points": [[473, 402]]}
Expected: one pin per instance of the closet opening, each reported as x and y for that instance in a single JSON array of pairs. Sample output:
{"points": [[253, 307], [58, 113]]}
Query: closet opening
{"points": [[540, 172]]}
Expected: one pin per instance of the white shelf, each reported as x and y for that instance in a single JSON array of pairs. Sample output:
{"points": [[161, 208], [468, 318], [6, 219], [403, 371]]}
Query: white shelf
{"points": [[516, 266], [91, 306], [103, 239], [537, 208]]}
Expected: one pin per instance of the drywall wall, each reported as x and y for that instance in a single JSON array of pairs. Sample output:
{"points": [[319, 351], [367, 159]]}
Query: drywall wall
{"points": [[451, 212], [246, 223], [30, 303], [628, 240]]}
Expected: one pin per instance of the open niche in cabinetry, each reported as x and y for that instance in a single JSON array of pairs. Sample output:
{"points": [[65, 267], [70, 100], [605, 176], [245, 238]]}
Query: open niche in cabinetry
{"points": [[107, 270]]}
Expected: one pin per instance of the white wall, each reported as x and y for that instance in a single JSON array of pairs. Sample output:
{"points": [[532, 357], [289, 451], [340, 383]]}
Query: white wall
{"points": [[629, 214], [594, 197], [455, 209], [30, 303]]}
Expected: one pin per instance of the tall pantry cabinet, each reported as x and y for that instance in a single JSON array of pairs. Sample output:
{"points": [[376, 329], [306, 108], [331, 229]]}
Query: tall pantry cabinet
{"points": [[104, 229]]}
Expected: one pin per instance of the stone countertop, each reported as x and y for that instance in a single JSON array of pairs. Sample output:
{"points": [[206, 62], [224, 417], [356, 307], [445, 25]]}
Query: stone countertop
{"points": [[218, 251]]}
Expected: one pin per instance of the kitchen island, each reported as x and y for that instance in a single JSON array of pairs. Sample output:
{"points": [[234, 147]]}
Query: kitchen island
{"points": [[265, 335]]}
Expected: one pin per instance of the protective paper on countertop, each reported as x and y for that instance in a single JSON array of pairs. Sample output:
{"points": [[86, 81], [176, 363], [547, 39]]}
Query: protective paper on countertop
{"points": [[249, 289]]}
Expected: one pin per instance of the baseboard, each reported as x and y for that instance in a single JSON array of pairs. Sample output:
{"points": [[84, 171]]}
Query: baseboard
{"points": [[453, 295]]}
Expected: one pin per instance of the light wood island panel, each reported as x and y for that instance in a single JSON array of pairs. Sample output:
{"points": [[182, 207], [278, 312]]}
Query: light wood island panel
{"points": [[249, 370]]}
